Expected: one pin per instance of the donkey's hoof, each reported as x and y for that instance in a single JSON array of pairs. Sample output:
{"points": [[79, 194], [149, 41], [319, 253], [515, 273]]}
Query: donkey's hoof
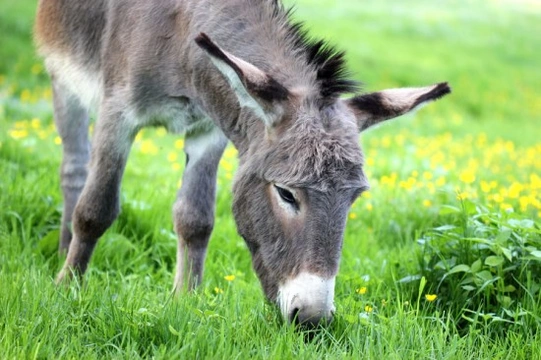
{"points": [[64, 277]]}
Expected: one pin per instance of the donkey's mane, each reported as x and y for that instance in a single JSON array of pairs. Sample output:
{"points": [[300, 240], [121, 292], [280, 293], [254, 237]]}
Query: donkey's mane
{"points": [[332, 75]]}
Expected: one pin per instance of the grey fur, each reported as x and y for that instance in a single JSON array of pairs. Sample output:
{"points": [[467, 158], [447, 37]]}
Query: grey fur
{"points": [[252, 78]]}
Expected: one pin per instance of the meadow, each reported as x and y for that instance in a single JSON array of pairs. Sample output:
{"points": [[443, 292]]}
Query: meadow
{"points": [[441, 259]]}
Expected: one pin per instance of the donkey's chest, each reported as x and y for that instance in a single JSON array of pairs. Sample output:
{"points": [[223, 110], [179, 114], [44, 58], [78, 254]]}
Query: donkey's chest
{"points": [[176, 114]]}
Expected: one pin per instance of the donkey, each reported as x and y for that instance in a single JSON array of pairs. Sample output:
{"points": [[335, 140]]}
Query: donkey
{"points": [[237, 70]]}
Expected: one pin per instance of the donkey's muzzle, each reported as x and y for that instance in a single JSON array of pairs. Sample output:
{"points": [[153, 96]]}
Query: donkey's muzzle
{"points": [[307, 300]]}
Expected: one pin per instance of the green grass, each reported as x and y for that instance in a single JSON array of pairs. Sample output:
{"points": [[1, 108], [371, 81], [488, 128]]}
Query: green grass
{"points": [[481, 143]]}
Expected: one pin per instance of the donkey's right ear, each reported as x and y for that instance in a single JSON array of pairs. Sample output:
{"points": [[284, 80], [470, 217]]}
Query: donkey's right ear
{"points": [[254, 88]]}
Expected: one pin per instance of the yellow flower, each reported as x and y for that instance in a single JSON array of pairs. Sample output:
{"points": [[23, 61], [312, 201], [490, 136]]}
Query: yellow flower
{"points": [[431, 297], [467, 176], [352, 216], [172, 156], [506, 207], [515, 190], [35, 123], [368, 309], [427, 175], [57, 140], [228, 166], [440, 181], [148, 147], [485, 186], [370, 161], [229, 277], [361, 290], [25, 95], [369, 207], [18, 134], [427, 203], [230, 152], [217, 290], [161, 131], [179, 144]]}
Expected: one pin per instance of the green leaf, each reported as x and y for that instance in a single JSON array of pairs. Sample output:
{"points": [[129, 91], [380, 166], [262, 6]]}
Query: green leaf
{"points": [[509, 288], [408, 279], [485, 276], [49, 243], [508, 254], [459, 268], [422, 285], [494, 261], [469, 207], [352, 319], [536, 253], [173, 331], [525, 223], [445, 228], [503, 236], [468, 287], [476, 266]]}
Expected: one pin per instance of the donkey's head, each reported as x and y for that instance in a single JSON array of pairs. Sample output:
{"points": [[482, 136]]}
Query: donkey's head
{"points": [[300, 170]]}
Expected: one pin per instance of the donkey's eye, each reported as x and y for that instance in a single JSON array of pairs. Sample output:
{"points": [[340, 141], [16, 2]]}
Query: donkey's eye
{"points": [[286, 195]]}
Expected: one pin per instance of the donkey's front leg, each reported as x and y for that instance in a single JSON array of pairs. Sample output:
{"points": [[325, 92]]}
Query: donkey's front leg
{"points": [[194, 208], [71, 121], [99, 204]]}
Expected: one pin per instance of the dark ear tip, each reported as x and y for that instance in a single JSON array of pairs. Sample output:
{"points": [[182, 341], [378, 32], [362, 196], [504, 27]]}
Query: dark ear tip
{"points": [[205, 43], [202, 39], [444, 87], [440, 90]]}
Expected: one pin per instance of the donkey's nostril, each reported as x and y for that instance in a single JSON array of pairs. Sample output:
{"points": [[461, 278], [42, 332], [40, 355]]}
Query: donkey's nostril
{"points": [[309, 319], [293, 316]]}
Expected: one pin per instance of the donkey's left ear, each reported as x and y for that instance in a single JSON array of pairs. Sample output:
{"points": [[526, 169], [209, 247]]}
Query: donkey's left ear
{"points": [[254, 88], [371, 109]]}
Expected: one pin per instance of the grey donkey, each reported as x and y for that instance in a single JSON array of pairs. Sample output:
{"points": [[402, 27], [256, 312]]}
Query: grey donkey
{"points": [[215, 70]]}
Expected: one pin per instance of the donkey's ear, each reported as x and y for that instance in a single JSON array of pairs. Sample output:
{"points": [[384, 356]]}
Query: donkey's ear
{"points": [[371, 109], [254, 88]]}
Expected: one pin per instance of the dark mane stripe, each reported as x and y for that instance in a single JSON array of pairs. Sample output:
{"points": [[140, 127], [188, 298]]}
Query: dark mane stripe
{"points": [[332, 75]]}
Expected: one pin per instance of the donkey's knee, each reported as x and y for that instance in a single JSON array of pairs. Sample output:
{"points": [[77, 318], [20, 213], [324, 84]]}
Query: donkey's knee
{"points": [[194, 226], [92, 219]]}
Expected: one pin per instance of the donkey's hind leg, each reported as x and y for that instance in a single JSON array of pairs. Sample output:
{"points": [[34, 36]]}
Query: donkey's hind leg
{"points": [[194, 208], [71, 121]]}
